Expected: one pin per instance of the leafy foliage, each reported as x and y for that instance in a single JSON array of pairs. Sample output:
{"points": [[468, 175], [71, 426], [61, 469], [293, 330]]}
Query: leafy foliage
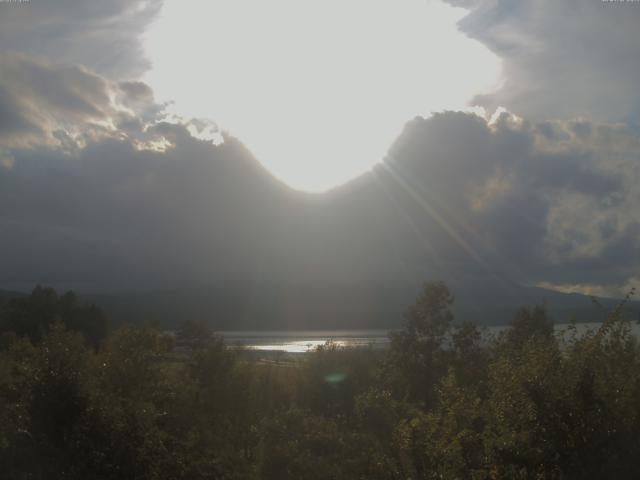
{"points": [[443, 401]]}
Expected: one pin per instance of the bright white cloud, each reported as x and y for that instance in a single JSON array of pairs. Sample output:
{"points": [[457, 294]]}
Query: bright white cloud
{"points": [[561, 59], [317, 90], [100, 35]]}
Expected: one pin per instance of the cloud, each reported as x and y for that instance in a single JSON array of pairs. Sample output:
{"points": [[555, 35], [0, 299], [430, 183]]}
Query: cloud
{"points": [[103, 36], [109, 193], [551, 201], [101, 189], [114, 216], [44, 103], [563, 59], [37, 97]]}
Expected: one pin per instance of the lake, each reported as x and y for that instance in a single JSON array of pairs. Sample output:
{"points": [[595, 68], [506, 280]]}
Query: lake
{"points": [[306, 341]]}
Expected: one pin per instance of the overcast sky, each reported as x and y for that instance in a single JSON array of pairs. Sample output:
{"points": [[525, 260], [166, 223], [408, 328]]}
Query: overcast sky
{"points": [[533, 172]]}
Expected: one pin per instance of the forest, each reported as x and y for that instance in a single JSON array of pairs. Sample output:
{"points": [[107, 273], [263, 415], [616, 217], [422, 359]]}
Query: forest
{"points": [[80, 399]]}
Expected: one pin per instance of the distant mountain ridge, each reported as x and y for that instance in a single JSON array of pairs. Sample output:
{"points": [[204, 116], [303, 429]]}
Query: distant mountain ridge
{"points": [[228, 310]]}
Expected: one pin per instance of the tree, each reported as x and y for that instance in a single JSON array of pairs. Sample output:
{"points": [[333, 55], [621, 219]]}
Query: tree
{"points": [[34, 315], [416, 358], [529, 323]]}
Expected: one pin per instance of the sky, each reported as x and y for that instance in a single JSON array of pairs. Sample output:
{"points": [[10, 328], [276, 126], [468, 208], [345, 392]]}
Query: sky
{"points": [[150, 143], [340, 78]]}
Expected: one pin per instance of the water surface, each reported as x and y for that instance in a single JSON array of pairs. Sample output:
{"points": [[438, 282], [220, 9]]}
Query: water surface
{"points": [[305, 341]]}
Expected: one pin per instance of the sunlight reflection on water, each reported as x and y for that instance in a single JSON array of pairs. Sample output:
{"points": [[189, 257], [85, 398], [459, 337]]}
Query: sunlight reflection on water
{"points": [[307, 341], [303, 342]]}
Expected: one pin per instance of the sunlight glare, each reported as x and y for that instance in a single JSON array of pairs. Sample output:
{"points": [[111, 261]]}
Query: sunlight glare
{"points": [[318, 90]]}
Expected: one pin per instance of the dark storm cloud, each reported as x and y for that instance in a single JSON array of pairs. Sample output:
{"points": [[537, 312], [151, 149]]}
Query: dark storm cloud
{"points": [[98, 191], [561, 59], [108, 194], [74, 90], [101, 35], [42, 102], [101, 190], [13, 119], [112, 216], [553, 201]]}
